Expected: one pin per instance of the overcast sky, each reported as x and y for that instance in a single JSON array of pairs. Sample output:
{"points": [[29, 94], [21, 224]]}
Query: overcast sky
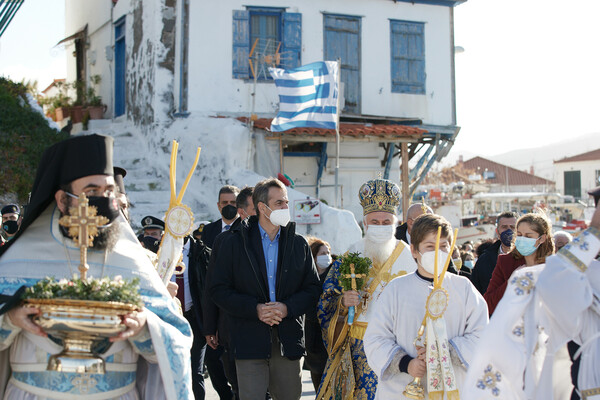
{"points": [[529, 73]]}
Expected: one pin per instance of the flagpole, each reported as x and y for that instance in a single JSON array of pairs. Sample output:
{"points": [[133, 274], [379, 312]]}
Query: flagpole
{"points": [[337, 131]]}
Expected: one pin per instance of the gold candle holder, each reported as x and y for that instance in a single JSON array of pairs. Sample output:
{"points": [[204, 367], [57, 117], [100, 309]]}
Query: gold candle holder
{"points": [[415, 390]]}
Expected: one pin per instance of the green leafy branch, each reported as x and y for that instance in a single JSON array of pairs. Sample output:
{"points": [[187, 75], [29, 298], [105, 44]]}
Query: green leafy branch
{"points": [[361, 266], [104, 289]]}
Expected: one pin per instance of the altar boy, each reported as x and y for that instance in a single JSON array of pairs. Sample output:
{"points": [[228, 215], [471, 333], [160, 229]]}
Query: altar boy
{"points": [[451, 329]]}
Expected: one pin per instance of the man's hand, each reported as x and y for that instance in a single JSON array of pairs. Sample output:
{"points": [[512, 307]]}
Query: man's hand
{"points": [[212, 341], [134, 322], [269, 314], [21, 317], [417, 368], [172, 287], [596, 218], [279, 308], [350, 298]]}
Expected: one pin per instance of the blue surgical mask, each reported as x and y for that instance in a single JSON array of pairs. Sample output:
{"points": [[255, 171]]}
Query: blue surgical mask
{"points": [[525, 246], [506, 237], [468, 264]]}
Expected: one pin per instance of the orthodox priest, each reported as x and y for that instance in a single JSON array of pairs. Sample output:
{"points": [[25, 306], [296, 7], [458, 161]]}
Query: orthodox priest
{"points": [[347, 374], [150, 358]]}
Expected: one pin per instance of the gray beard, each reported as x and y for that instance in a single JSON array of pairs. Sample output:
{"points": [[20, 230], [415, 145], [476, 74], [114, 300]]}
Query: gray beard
{"points": [[379, 252]]}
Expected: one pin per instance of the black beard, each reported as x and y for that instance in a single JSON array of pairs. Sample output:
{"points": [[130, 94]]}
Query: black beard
{"points": [[105, 240]]}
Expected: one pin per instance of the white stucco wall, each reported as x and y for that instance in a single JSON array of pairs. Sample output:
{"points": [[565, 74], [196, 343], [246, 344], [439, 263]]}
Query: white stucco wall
{"points": [[213, 89], [97, 14], [588, 175]]}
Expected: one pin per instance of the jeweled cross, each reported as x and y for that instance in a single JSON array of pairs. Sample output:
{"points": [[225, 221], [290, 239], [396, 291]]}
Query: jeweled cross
{"points": [[353, 275], [83, 224]]}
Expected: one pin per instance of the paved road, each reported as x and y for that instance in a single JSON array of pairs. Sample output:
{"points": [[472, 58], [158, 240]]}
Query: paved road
{"points": [[308, 391]]}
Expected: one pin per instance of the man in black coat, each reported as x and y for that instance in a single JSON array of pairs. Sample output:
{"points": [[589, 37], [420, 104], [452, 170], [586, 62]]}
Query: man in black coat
{"points": [[214, 352], [215, 324], [227, 208], [190, 283], [485, 265], [265, 280]]}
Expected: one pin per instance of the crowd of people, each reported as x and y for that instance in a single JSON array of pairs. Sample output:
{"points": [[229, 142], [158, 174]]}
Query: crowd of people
{"points": [[256, 302]]}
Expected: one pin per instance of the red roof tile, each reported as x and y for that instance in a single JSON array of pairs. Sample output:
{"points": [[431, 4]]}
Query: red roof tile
{"points": [[515, 176], [593, 155], [348, 129]]}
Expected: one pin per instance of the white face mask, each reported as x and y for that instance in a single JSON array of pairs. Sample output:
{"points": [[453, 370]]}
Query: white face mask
{"points": [[279, 217], [428, 261], [323, 261], [380, 233]]}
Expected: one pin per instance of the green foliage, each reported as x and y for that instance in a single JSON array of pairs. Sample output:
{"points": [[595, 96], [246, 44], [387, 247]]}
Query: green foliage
{"points": [[103, 289], [361, 266], [24, 135]]}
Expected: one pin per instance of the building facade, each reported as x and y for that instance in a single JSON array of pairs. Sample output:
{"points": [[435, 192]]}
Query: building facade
{"points": [[578, 174], [163, 60]]}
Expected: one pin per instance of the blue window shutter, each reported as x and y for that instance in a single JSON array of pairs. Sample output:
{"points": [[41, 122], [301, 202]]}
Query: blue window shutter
{"points": [[292, 40], [241, 43], [407, 57]]}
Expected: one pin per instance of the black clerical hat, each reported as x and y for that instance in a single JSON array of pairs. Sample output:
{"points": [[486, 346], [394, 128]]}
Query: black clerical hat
{"points": [[150, 222], [61, 164], [596, 193], [10, 209], [120, 173]]}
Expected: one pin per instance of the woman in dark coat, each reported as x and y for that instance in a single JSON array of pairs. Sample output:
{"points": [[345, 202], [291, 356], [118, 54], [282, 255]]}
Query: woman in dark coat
{"points": [[316, 354]]}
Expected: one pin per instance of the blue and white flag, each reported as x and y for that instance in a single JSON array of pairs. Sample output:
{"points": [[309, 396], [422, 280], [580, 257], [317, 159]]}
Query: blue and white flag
{"points": [[307, 96]]}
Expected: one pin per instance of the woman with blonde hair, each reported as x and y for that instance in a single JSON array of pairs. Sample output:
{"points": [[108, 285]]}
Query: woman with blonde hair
{"points": [[532, 245]]}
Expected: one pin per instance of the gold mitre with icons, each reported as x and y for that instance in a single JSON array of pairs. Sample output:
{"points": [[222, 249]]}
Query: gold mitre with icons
{"points": [[379, 195]]}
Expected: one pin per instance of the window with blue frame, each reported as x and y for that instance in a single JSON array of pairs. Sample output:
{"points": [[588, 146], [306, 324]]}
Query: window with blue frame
{"points": [[407, 56], [271, 29]]}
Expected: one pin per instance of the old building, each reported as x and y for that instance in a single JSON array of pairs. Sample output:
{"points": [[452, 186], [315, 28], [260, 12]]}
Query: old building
{"points": [[578, 174], [163, 60]]}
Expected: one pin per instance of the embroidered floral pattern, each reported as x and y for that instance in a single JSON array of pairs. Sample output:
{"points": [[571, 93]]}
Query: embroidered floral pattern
{"points": [[523, 284], [584, 246], [489, 380]]}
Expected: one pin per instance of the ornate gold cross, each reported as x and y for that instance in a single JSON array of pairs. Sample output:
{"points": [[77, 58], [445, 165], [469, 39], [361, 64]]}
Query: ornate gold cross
{"points": [[352, 275], [83, 224]]}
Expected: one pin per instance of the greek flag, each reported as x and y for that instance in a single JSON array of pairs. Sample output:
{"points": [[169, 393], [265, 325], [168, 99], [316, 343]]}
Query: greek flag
{"points": [[307, 96]]}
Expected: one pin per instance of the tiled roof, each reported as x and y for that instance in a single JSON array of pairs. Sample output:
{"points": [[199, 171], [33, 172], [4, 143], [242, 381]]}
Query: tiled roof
{"points": [[515, 177], [349, 129], [593, 155]]}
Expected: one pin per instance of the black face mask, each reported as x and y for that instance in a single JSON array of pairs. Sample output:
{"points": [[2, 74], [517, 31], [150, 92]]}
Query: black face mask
{"points": [[106, 206], [10, 227], [229, 212], [151, 243]]}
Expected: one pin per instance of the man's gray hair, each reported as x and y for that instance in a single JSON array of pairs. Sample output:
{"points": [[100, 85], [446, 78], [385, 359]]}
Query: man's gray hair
{"points": [[564, 234], [228, 189], [261, 191]]}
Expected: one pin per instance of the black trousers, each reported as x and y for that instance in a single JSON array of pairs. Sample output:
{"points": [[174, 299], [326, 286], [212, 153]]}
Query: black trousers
{"points": [[216, 371], [197, 356]]}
